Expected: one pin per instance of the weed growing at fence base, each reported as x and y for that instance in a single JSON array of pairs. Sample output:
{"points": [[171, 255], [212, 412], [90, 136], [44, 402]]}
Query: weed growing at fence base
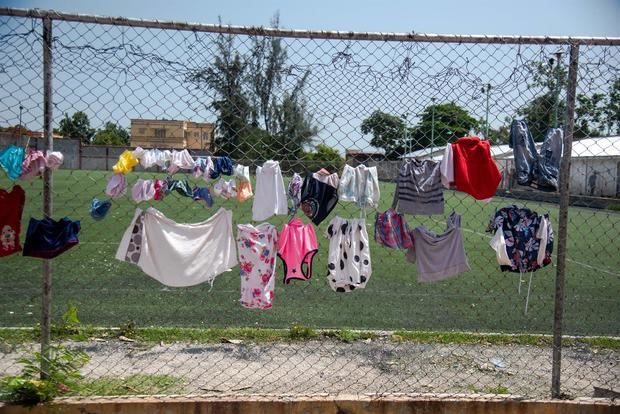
{"points": [[109, 293]]}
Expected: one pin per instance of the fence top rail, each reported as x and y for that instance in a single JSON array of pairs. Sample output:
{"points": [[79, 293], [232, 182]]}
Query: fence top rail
{"points": [[310, 34]]}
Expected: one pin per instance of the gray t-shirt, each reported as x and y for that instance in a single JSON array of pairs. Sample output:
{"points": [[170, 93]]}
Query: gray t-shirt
{"points": [[439, 256], [419, 189]]}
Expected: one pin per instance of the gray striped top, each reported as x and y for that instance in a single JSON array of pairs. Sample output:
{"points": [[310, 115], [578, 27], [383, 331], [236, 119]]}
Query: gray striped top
{"points": [[419, 189]]}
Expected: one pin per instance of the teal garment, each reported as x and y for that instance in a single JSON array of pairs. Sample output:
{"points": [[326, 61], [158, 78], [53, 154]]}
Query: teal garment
{"points": [[11, 160]]}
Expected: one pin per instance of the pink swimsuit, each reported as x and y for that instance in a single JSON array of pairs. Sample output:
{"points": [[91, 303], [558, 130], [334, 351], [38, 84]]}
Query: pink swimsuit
{"points": [[297, 246]]}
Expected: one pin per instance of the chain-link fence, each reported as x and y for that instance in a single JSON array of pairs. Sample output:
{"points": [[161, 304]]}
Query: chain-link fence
{"points": [[313, 100]]}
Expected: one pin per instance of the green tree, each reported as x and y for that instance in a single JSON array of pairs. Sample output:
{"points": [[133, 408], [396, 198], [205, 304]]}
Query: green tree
{"points": [[612, 108], [496, 136], [326, 157], [388, 133], [265, 67], [111, 134], [78, 126], [442, 123], [225, 76], [295, 126]]}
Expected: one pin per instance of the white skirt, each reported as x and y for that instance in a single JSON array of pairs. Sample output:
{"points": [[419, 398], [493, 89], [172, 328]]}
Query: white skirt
{"points": [[178, 254]]}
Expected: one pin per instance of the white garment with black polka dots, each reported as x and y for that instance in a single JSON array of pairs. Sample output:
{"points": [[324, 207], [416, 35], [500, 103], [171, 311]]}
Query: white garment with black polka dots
{"points": [[349, 255]]}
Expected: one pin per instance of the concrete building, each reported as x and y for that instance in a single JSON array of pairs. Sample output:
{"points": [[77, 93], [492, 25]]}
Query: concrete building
{"points": [[162, 133]]}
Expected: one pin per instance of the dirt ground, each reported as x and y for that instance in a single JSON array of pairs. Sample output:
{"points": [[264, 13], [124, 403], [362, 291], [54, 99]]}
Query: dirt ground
{"points": [[362, 367]]}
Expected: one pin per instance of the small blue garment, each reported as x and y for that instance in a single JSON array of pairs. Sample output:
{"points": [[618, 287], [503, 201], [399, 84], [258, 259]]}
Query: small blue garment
{"points": [[11, 160], [222, 165], [99, 208], [202, 193], [49, 238]]}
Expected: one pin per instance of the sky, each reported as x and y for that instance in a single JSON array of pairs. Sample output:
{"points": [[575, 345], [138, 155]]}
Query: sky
{"points": [[530, 17], [342, 94]]}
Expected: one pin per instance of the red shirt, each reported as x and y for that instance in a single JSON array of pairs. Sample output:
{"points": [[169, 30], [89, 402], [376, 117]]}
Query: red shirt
{"points": [[475, 171], [11, 208]]}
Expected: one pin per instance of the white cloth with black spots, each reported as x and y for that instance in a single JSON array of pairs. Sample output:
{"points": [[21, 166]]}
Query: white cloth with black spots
{"points": [[349, 255]]}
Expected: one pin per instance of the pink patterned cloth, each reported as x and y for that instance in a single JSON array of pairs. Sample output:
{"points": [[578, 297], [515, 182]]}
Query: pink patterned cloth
{"points": [[297, 247], [34, 164], [257, 264]]}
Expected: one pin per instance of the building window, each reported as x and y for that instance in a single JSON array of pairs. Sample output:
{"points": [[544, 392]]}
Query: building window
{"points": [[141, 130], [196, 134], [160, 133]]}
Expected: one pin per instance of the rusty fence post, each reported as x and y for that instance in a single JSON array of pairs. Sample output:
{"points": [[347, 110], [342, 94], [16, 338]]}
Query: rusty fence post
{"points": [[563, 222], [46, 294]]}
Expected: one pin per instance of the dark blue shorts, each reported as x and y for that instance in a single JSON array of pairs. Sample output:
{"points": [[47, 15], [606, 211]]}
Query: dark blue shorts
{"points": [[48, 238]]}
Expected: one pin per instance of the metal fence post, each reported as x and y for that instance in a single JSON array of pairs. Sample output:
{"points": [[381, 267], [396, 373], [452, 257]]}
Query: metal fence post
{"points": [[563, 223], [46, 296]]}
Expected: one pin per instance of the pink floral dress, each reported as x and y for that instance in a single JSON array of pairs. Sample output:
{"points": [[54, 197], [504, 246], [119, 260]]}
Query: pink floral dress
{"points": [[257, 247]]}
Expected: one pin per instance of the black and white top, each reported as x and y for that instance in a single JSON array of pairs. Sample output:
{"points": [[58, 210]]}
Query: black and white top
{"points": [[419, 189]]}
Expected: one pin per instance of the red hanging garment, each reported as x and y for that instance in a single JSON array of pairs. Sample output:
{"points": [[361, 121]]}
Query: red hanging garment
{"points": [[11, 208], [475, 171]]}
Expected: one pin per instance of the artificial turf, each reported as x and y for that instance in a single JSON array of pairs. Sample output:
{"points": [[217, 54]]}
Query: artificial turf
{"points": [[108, 292]]}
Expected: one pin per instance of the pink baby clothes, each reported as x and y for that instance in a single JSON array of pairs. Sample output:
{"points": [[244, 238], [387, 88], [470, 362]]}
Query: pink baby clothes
{"points": [[257, 264], [117, 186], [54, 159], [143, 190], [34, 164], [297, 246]]}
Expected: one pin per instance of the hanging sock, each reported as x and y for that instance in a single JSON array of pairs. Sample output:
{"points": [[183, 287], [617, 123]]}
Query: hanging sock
{"points": [[99, 208]]}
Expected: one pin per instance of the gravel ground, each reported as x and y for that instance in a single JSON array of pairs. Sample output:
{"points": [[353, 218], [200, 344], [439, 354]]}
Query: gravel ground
{"points": [[361, 367]]}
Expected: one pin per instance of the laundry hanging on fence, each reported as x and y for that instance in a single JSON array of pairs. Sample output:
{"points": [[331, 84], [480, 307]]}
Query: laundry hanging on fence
{"points": [[179, 254], [34, 164], [180, 160], [225, 189], [360, 185], [117, 186], [391, 230], [182, 187], [202, 193], [99, 208], [318, 198], [439, 256], [126, 162], [11, 208], [293, 193], [296, 248], [244, 185], [222, 165], [530, 167], [523, 242], [11, 161], [270, 198], [349, 254], [143, 190], [257, 247], [419, 189], [523, 239], [48, 238], [475, 171]]}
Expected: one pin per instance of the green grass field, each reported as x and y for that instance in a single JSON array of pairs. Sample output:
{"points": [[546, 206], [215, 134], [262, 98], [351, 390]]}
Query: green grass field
{"points": [[108, 292]]}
